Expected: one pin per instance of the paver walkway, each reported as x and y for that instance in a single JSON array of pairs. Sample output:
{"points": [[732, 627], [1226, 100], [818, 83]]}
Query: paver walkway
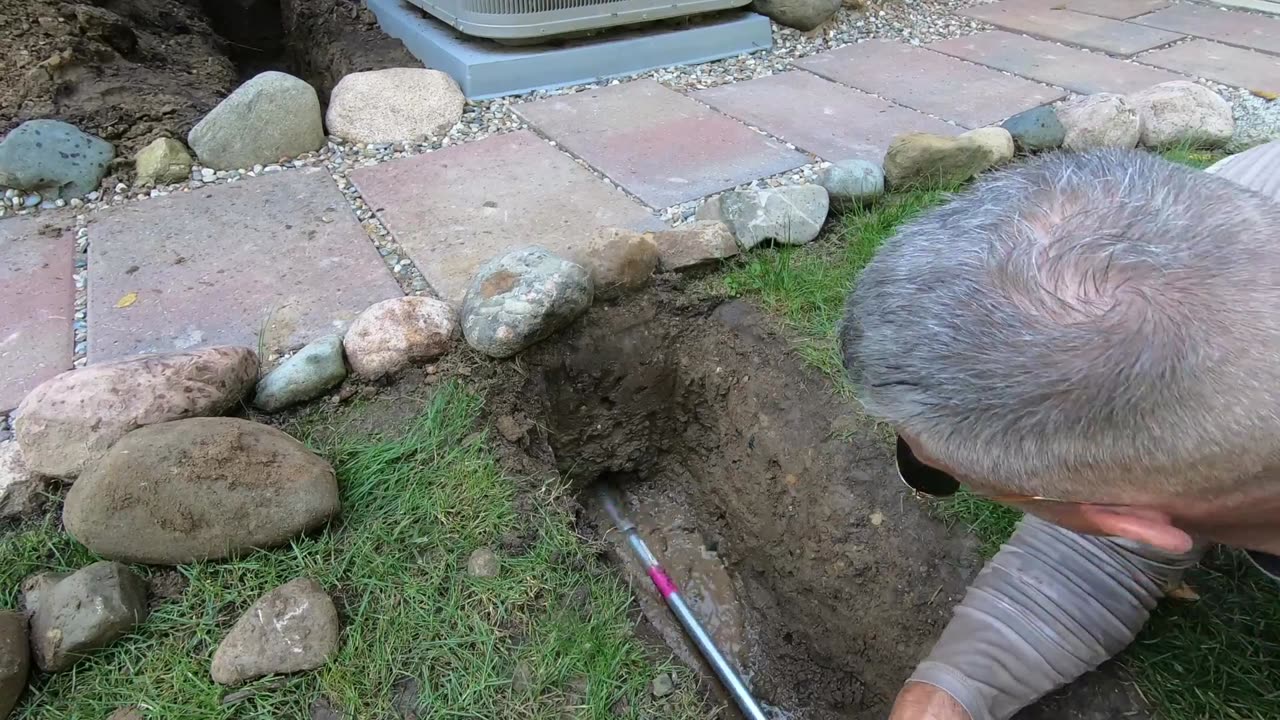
{"points": [[277, 260]]}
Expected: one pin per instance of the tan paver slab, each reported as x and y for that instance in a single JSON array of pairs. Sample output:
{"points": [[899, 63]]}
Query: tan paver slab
{"points": [[37, 305], [952, 89], [454, 209], [1074, 69], [1222, 63], [274, 261], [1257, 32], [1073, 28], [839, 123], [663, 147]]}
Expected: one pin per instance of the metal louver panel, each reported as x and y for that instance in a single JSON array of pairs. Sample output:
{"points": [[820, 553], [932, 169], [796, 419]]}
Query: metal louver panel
{"points": [[531, 19]]}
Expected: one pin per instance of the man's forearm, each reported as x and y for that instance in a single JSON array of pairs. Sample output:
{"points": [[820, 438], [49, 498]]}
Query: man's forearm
{"points": [[1050, 606]]}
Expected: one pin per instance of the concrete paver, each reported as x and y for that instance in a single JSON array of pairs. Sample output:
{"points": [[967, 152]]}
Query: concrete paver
{"points": [[661, 146], [1070, 27], [1117, 9], [456, 208], [269, 262], [1074, 69], [1222, 63], [37, 305], [838, 123], [1257, 32], [964, 93]]}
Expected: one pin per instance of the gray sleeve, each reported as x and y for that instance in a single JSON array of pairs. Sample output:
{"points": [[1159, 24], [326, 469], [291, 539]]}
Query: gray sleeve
{"points": [[1050, 606]]}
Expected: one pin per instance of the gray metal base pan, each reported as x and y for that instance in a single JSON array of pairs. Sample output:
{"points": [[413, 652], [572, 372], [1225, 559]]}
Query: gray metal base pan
{"points": [[485, 69]]}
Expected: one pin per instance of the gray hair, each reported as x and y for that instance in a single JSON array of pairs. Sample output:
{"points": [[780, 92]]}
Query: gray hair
{"points": [[1080, 323]]}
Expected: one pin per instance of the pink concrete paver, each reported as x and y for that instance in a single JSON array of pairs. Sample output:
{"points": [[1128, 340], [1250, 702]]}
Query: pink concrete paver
{"points": [[1117, 9], [1257, 32], [661, 146], [839, 123], [37, 305], [1222, 63], [454, 209], [1076, 70], [930, 82], [274, 261], [1073, 28]]}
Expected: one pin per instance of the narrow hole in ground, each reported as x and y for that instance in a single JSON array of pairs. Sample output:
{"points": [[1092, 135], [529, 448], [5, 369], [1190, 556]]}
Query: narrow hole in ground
{"points": [[254, 32], [763, 494]]}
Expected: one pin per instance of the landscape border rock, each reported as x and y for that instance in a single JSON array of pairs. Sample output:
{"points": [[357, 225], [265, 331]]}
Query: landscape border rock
{"points": [[1182, 112], [788, 215], [1101, 120], [270, 117], [53, 158], [86, 611], [72, 419], [395, 104], [308, 374], [200, 489], [15, 660], [517, 299], [292, 628], [393, 334]]}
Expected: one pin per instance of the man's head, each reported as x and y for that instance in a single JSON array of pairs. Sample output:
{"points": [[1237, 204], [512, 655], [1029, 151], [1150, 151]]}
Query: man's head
{"points": [[1100, 327]]}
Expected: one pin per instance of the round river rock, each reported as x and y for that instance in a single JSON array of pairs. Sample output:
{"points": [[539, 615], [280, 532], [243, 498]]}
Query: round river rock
{"points": [[199, 489], [70, 420], [522, 297]]}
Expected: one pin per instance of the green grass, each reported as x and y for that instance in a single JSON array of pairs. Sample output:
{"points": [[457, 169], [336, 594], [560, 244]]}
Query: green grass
{"points": [[1197, 158], [415, 505], [1217, 658], [806, 286]]}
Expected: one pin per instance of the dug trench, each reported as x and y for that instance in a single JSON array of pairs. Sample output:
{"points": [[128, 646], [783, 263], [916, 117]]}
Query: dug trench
{"points": [[769, 499]]}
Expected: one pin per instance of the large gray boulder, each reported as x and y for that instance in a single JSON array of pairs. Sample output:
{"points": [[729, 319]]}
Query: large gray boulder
{"points": [[385, 106], [72, 419], [1182, 112], [86, 611], [290, 629], [791, 215], [199, 489], [54, 159], [311, 372], [1102, 120], [517, 299], [799, 14], [270, 117], [15, 660]]}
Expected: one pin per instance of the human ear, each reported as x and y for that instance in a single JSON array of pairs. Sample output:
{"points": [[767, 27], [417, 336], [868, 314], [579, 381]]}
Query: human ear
{"points": [[1144, 525]]}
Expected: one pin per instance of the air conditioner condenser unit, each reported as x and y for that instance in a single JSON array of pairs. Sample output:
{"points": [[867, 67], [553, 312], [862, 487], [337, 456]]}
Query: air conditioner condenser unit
{"points": [[524, 20]]}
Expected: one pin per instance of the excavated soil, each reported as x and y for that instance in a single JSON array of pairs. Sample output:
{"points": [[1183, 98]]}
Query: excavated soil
{"points": [[131, 71], [126, 70], [769, 499]]}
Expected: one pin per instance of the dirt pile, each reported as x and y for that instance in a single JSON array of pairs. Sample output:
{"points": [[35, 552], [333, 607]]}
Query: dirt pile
{"points": [[128, 71]]}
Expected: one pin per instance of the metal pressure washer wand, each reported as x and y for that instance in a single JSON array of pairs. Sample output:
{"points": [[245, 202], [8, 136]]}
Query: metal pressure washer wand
{"points": [[723, 670]]}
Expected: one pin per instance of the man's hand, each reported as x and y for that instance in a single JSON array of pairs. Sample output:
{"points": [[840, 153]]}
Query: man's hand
{"points": [[920, 701]]}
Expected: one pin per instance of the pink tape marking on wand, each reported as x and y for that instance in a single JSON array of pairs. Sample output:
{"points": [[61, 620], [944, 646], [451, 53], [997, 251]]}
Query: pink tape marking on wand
{"points": [[661, 581]]}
